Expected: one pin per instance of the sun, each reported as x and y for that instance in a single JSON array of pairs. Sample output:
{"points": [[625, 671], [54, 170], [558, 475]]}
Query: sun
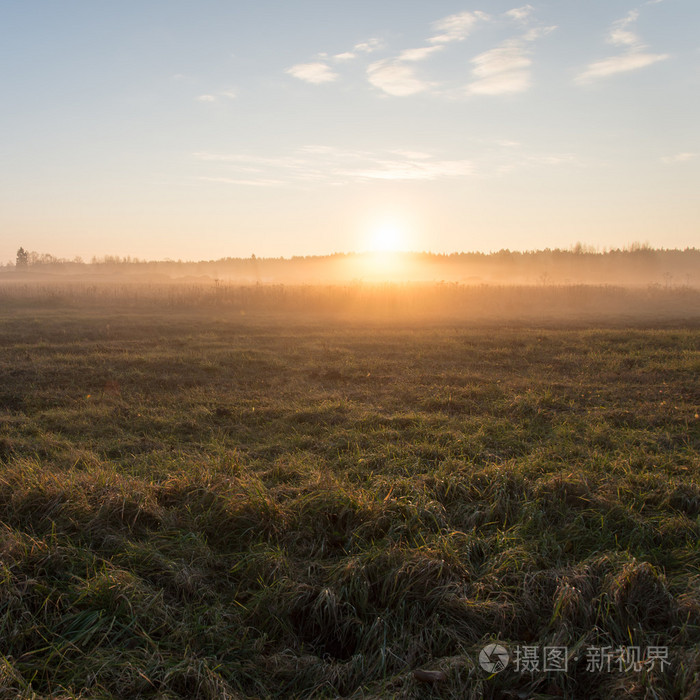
{"points": [[386, 242], [386, 237]]}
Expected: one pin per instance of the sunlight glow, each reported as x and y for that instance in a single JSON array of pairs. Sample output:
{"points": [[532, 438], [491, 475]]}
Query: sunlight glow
{"points": [[387, 239], [387, 236]]}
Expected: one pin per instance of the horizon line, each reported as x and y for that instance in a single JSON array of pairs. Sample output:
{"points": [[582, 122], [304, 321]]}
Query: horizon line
{"points": [[578, 249]]}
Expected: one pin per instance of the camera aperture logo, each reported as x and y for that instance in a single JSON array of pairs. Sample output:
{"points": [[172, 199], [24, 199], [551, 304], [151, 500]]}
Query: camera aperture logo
{"points": [[493, 658]]}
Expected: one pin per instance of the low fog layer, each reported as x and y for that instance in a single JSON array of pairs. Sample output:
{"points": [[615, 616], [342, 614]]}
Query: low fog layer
{"points": [[638, 266]]}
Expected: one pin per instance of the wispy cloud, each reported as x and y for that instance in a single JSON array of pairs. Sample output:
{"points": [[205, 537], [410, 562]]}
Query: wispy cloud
{"points": [[455, 27], [520, 14], [253, 182], [619, 64], [315, 73], [419, 54], [396, 78], [513, 157], [538, 32], [216, 96], [621, 35], [412, 155], [320, 164], [318, 72], [634, 57], [419, 169], [369, 46], [679, 158], [505, 69]]}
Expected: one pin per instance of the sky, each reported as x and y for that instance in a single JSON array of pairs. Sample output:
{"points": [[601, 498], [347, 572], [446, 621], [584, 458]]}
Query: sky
{"points": [[174, 129]]}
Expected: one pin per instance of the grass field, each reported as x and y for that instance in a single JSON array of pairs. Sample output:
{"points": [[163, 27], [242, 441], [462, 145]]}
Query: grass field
{"points": [[204, 504]]}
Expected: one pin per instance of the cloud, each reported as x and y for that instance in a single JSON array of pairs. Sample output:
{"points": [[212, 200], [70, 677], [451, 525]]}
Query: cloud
{"points": [[679, 158], [620, 35], [412, 155], [214, 97], [315, 73], [369, 46], [504, 59], [520, 14], [619, 64], [634, 58], [326, 164], [623, 37], [538, 32], [506, 69], [395, 78], [455, 27], [503, 70], [419, 54], [318, 72], [510, 157], [250, 181], [552, 159], [502, 84], [415, 170]]}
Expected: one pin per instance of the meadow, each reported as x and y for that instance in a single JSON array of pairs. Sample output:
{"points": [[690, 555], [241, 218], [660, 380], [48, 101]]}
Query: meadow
{"points": [[272, 493]]}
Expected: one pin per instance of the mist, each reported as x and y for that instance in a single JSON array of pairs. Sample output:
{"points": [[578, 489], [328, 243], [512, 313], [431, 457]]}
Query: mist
{"points": [[636, 266], [637, 285]]}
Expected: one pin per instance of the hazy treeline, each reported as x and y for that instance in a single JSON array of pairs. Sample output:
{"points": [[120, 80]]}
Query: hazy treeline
{"points": [[637, 265], [387, 302]]}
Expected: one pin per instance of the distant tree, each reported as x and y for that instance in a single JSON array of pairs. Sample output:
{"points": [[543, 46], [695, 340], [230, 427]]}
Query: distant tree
{"points": [[582, 248], [22, 259]]}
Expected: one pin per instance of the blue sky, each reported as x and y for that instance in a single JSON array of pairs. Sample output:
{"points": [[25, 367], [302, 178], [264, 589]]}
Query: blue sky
{"points": [[201, 130]]}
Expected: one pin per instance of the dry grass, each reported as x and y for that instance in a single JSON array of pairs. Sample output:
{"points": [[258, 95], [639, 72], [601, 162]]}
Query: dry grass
{"points": [[204, 505]]}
